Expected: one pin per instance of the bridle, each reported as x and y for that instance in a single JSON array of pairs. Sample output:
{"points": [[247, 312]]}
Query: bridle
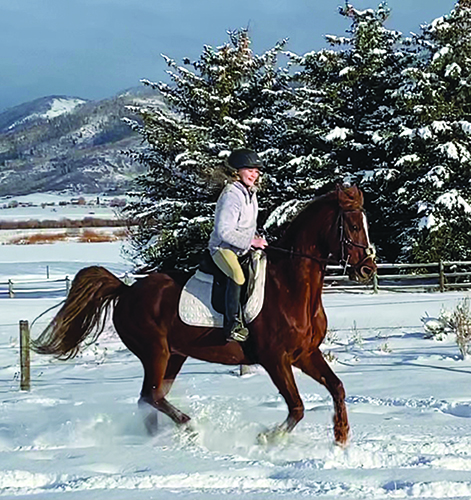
{"points": [[345, 243]]}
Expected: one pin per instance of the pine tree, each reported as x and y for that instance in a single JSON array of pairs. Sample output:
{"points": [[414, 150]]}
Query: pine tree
{"points": [[226, 99], [346, 121], [436, 141]]}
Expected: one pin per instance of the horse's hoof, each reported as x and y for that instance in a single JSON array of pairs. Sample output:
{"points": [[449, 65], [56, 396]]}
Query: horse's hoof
{"points": [[274, 436], [342, 443], [183, 419], [341, 436]]}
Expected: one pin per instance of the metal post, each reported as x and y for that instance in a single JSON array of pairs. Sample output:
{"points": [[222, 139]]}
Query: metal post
{"points": [[67, 285], [47, 272], [441, 273], [11, 293], [25, 383], [375, 283]]}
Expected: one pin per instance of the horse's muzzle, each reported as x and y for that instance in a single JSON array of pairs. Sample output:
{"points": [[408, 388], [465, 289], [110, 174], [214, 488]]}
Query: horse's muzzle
{"points": [[364, 271]]}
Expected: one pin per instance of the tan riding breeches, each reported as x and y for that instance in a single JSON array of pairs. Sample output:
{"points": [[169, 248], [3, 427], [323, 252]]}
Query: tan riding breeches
{"points": [[228, 263]]}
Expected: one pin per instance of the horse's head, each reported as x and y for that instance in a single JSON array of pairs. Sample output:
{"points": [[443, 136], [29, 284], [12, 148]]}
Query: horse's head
{"points": [[355, 251], [333, 228]]}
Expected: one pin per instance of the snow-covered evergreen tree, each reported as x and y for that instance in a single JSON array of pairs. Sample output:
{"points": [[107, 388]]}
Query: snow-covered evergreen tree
{"points": [[226, 99], [387, 112], [435, 159], [346, 122]]}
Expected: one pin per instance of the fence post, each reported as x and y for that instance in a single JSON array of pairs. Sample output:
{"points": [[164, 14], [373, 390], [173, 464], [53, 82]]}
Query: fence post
{"points": [[67, 285], [25, 382], [375, 283], [11, 293], [441, 276], [244, 370]]}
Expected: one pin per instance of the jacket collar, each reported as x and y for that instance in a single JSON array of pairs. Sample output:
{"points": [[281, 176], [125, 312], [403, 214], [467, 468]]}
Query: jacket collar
{"points": [[247, 191]]}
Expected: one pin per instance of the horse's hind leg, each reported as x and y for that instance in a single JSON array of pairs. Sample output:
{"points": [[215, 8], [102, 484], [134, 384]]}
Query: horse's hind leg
{"points": [[173, 367], [160, 371], [315, 365]]}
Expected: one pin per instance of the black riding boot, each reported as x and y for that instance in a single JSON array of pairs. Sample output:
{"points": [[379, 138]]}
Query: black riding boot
{"points": [[234, 328]]}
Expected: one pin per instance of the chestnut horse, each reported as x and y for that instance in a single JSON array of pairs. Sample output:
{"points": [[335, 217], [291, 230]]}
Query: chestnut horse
{"points": [[286, 333]]}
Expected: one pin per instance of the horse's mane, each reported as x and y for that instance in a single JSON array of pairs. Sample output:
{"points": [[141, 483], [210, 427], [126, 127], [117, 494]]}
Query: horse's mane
{"points": [[347, 198]]}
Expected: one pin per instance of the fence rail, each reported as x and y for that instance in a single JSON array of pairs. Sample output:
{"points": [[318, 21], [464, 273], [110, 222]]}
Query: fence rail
{"points": [[431, 276], [434, 276]]}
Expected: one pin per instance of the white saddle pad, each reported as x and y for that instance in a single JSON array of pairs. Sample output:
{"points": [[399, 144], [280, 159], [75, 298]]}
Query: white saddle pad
{"points": [[195, 308]]}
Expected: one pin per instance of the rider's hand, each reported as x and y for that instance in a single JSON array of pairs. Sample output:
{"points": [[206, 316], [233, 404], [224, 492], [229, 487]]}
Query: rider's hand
{"points": [[259, 242]]}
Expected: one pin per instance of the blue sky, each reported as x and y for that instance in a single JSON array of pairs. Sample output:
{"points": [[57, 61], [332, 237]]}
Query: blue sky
{"points": [[96, 48]]}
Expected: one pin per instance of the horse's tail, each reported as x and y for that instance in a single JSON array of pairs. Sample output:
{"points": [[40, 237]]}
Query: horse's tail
{"points": [[94, 289]]}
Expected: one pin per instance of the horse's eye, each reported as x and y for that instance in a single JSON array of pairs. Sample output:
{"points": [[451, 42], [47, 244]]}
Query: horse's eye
{"points": [[355, 227]]}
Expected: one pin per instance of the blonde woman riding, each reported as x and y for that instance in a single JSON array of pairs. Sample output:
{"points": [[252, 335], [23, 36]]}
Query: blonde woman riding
{"points": [[234, 234]]}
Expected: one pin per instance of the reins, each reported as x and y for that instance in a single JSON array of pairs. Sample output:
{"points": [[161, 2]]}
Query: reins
{"points": [[292, 253]]}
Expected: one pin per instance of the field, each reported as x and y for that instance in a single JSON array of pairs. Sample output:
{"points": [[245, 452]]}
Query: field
{"points": [[78, 432]]}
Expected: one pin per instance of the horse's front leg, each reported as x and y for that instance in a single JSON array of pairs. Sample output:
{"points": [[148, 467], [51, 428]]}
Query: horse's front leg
{"points": [[281, 373], [314, 364]]}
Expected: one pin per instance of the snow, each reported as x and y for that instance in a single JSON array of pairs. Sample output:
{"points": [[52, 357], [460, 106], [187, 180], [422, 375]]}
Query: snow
{"points": [[427, 222], [436, 176], [466, 126], [453, 70], [345, 71], [407, 159], [449, 149], [453, 198], [50, 212], [284, 213], [60, 106], [78, 432], [338, 133], [425, 133], [442, 52], [440, 126]]}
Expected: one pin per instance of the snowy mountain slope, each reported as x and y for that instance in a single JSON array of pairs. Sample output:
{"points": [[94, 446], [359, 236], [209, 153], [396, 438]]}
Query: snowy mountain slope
{"points": [[58, 143], [36, 111]]}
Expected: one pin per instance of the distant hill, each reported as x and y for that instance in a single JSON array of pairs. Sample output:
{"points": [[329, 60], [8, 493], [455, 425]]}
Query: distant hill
{"points": [[40, 110], [58, 143]]}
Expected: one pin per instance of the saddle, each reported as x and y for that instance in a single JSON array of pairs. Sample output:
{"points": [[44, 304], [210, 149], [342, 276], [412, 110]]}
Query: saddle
{"points": [[202, 298]]}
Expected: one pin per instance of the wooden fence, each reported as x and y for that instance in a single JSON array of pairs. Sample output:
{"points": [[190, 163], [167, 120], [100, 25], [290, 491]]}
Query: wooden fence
{"points": [[437, 276]]}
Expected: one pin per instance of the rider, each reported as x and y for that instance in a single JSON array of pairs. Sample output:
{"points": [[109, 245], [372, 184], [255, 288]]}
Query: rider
{"points": [[234, 233]]}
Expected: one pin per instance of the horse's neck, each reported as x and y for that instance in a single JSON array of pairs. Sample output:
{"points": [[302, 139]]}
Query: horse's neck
{"points": [[303, 278], [297, 272], [309, 234]]}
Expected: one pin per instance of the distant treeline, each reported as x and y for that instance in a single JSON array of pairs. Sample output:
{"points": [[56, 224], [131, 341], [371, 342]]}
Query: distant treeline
{"points": [[62, 223]]}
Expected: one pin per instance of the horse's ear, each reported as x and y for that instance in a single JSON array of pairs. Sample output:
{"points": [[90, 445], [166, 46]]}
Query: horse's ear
{"points": [[350, 198]]}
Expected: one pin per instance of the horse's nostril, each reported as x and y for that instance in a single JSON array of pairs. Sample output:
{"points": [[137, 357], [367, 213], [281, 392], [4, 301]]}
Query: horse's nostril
{"points": [[366, 271]]}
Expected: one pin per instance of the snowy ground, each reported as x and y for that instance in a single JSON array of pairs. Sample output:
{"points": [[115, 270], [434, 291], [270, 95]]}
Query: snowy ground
{"points": [[78, 433], [54, 212]]}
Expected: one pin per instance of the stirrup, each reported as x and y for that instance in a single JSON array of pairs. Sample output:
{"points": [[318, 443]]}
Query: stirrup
{"points": [[239, 333]]}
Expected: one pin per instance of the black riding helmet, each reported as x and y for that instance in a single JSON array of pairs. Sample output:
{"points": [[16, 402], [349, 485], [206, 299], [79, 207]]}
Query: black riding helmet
{"points": [[244, 158]]}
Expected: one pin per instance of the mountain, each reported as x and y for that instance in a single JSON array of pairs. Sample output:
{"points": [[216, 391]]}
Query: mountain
{"points": [[59, 143], [42, 109]]}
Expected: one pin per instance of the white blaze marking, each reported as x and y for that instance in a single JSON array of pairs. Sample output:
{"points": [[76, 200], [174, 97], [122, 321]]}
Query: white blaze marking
{"points": [[365, 227]]}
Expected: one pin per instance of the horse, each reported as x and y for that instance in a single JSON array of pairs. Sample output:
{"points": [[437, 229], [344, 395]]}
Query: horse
{"points": [[287, 332]]}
